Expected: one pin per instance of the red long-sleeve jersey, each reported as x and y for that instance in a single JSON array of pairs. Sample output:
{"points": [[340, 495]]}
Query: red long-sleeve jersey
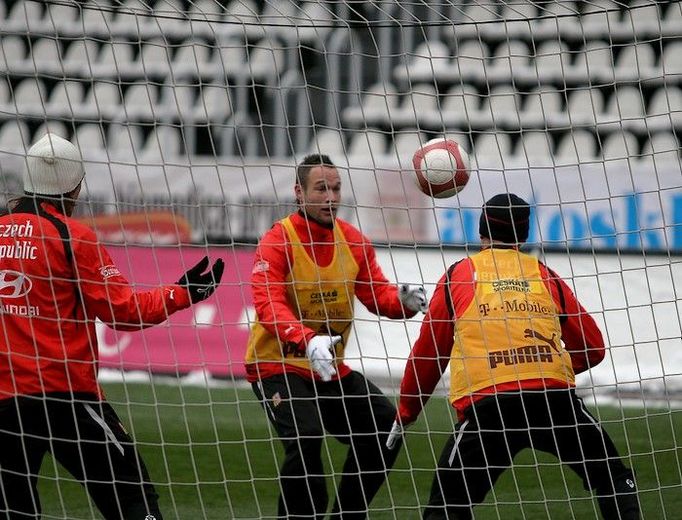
{"points": [[430, 354], [272, 265], [55, 280]]}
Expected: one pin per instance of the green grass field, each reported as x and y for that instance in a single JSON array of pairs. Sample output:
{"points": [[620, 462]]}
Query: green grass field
{"points": [[211, 455]]}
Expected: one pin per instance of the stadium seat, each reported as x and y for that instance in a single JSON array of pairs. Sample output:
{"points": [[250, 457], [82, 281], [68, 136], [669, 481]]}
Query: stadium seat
{"points": [[114, 59], [431, 59], [460, 107], [66, 100], [620, 145], [89, 136], [637, 61], [266, 61], [154, 59], [663, 149], [594, 63], [171, 20], [600, 17], [368, 144], [30, 98], [625, 106], [315, 23], [474, 13], [205, 18], [672, 23], [97, 17], [511, 57], [518, 17], [177, 103], [376, 108], [214, 104], [328, 141], [192, 59], [26, 16], [242, 18], [405, 143], [132, 18], [502, 107], [585, 105], [78, 57], [419, 105], [13, 54], [470, 60], [103, 101], [665, 108], [643, 17], [46, 56], [125, 141], [164, 143], [5, 96], [542, 108], [551, 60], [493, 150], [578, 146], [14, 136], [536, 148], [559, 17], [53, 127], [140, 101], [671, 59], [62, 17]]}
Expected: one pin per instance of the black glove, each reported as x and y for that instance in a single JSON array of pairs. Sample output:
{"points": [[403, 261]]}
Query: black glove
{"points": [[201, 285]]}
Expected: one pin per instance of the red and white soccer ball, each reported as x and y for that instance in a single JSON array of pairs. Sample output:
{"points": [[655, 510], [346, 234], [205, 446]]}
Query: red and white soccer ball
{"points": [[442, 167]]}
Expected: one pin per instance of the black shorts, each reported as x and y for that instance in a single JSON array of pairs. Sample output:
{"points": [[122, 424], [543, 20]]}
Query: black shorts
{"points": [[86, 437]]}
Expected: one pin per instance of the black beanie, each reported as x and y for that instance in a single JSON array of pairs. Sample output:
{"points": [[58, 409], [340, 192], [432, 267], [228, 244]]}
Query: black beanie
{"points": [[505, 218]]}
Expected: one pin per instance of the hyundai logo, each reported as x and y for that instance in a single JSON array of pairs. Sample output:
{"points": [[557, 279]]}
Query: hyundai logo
{"points": [[14, 284]]}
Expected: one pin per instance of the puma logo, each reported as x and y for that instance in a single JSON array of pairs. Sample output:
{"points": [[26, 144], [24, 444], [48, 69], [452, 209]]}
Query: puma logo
{"points": [[552, 342]]}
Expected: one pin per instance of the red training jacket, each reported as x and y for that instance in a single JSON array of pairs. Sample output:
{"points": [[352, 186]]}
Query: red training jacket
{"points": [[271, 267], [430, 354], [51, 292]]}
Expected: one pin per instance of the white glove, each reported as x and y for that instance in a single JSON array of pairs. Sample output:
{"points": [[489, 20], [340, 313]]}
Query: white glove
{"points": [[396, 434], [319, 352], [413, 299]]}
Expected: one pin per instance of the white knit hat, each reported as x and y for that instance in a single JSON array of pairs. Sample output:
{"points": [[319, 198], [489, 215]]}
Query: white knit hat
{"points": [[53, 167]]}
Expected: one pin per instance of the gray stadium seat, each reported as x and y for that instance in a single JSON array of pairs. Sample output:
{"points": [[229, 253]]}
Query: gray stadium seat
{"points": [[66, 99], [125, 141], [192, 59], [576, 147], [266, 61], [29, 97], [558, 18], [460, 106], [542, 107], [244, 20], [89, 136], [97, 17], [643, 17], [103, 101], [470, 59], [25, 15], [502, 107], [367, 144], [205, 17], [214, 104], [164, 143], [493, 150], [536, 148], [552, 60], [406, 142], [170, 19], [114, 59], [154, 58], [619, 145], [661, 150], [671, 59], [315, 24], [672, 23], [62, 16], [140, 101], [46, 56], [420, 104], [132, 18], [665, 108], [431, 59], [600, 16], [518, 18], [510, 57], [328, 141], [379, 104], [12, 54], [79, 56], [625, 105], [14, 137], [585, 105], [637, 61], [177, 103], [53, 127], [594, 63]]}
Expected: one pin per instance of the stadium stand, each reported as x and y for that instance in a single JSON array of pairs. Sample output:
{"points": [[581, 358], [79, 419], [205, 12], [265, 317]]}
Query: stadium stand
{"points": [[530, 66]]}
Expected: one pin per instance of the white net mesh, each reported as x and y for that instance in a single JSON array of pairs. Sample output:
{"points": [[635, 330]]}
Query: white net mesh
{"points": [[190, 115]]}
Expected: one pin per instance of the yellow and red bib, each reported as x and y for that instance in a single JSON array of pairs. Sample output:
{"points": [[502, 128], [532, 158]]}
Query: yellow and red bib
{"points": [[510, 331]]}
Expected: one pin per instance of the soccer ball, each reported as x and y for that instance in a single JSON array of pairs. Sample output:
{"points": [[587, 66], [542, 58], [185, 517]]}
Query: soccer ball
{"points": [[442, 168]]}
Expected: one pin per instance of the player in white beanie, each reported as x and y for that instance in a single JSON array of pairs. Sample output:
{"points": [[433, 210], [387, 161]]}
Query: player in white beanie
{"points": [[53, 167], [56, 279]]}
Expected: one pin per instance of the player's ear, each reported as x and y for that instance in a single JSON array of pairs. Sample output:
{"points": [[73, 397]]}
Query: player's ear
{"points": [[298, 192]]}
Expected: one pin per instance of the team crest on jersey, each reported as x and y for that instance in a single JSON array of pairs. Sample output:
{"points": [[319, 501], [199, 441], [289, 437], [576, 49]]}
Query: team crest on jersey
{"points": [[261, 266], [109, 271]]}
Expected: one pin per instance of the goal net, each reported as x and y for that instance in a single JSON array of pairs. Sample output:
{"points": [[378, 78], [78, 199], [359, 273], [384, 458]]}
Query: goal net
{"points": [[190, 116]]}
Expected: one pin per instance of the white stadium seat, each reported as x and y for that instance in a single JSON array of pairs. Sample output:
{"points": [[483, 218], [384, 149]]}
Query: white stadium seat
{"points": [[45, 56], [378, 105], [53, 127], [671, 59], [12, 53], [66, 99], [577, 146], [29, 97], [625, 104], [431, 59], [665, 107], [585, 105], [89, 136], [103, 100], [493, 150], [620, 145], [470, 59], [541, 106], [139, 102], [328, 141], [14, 136], [214, 104], [125, 141], [536, 148], [368, 144], [502, 106]]}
